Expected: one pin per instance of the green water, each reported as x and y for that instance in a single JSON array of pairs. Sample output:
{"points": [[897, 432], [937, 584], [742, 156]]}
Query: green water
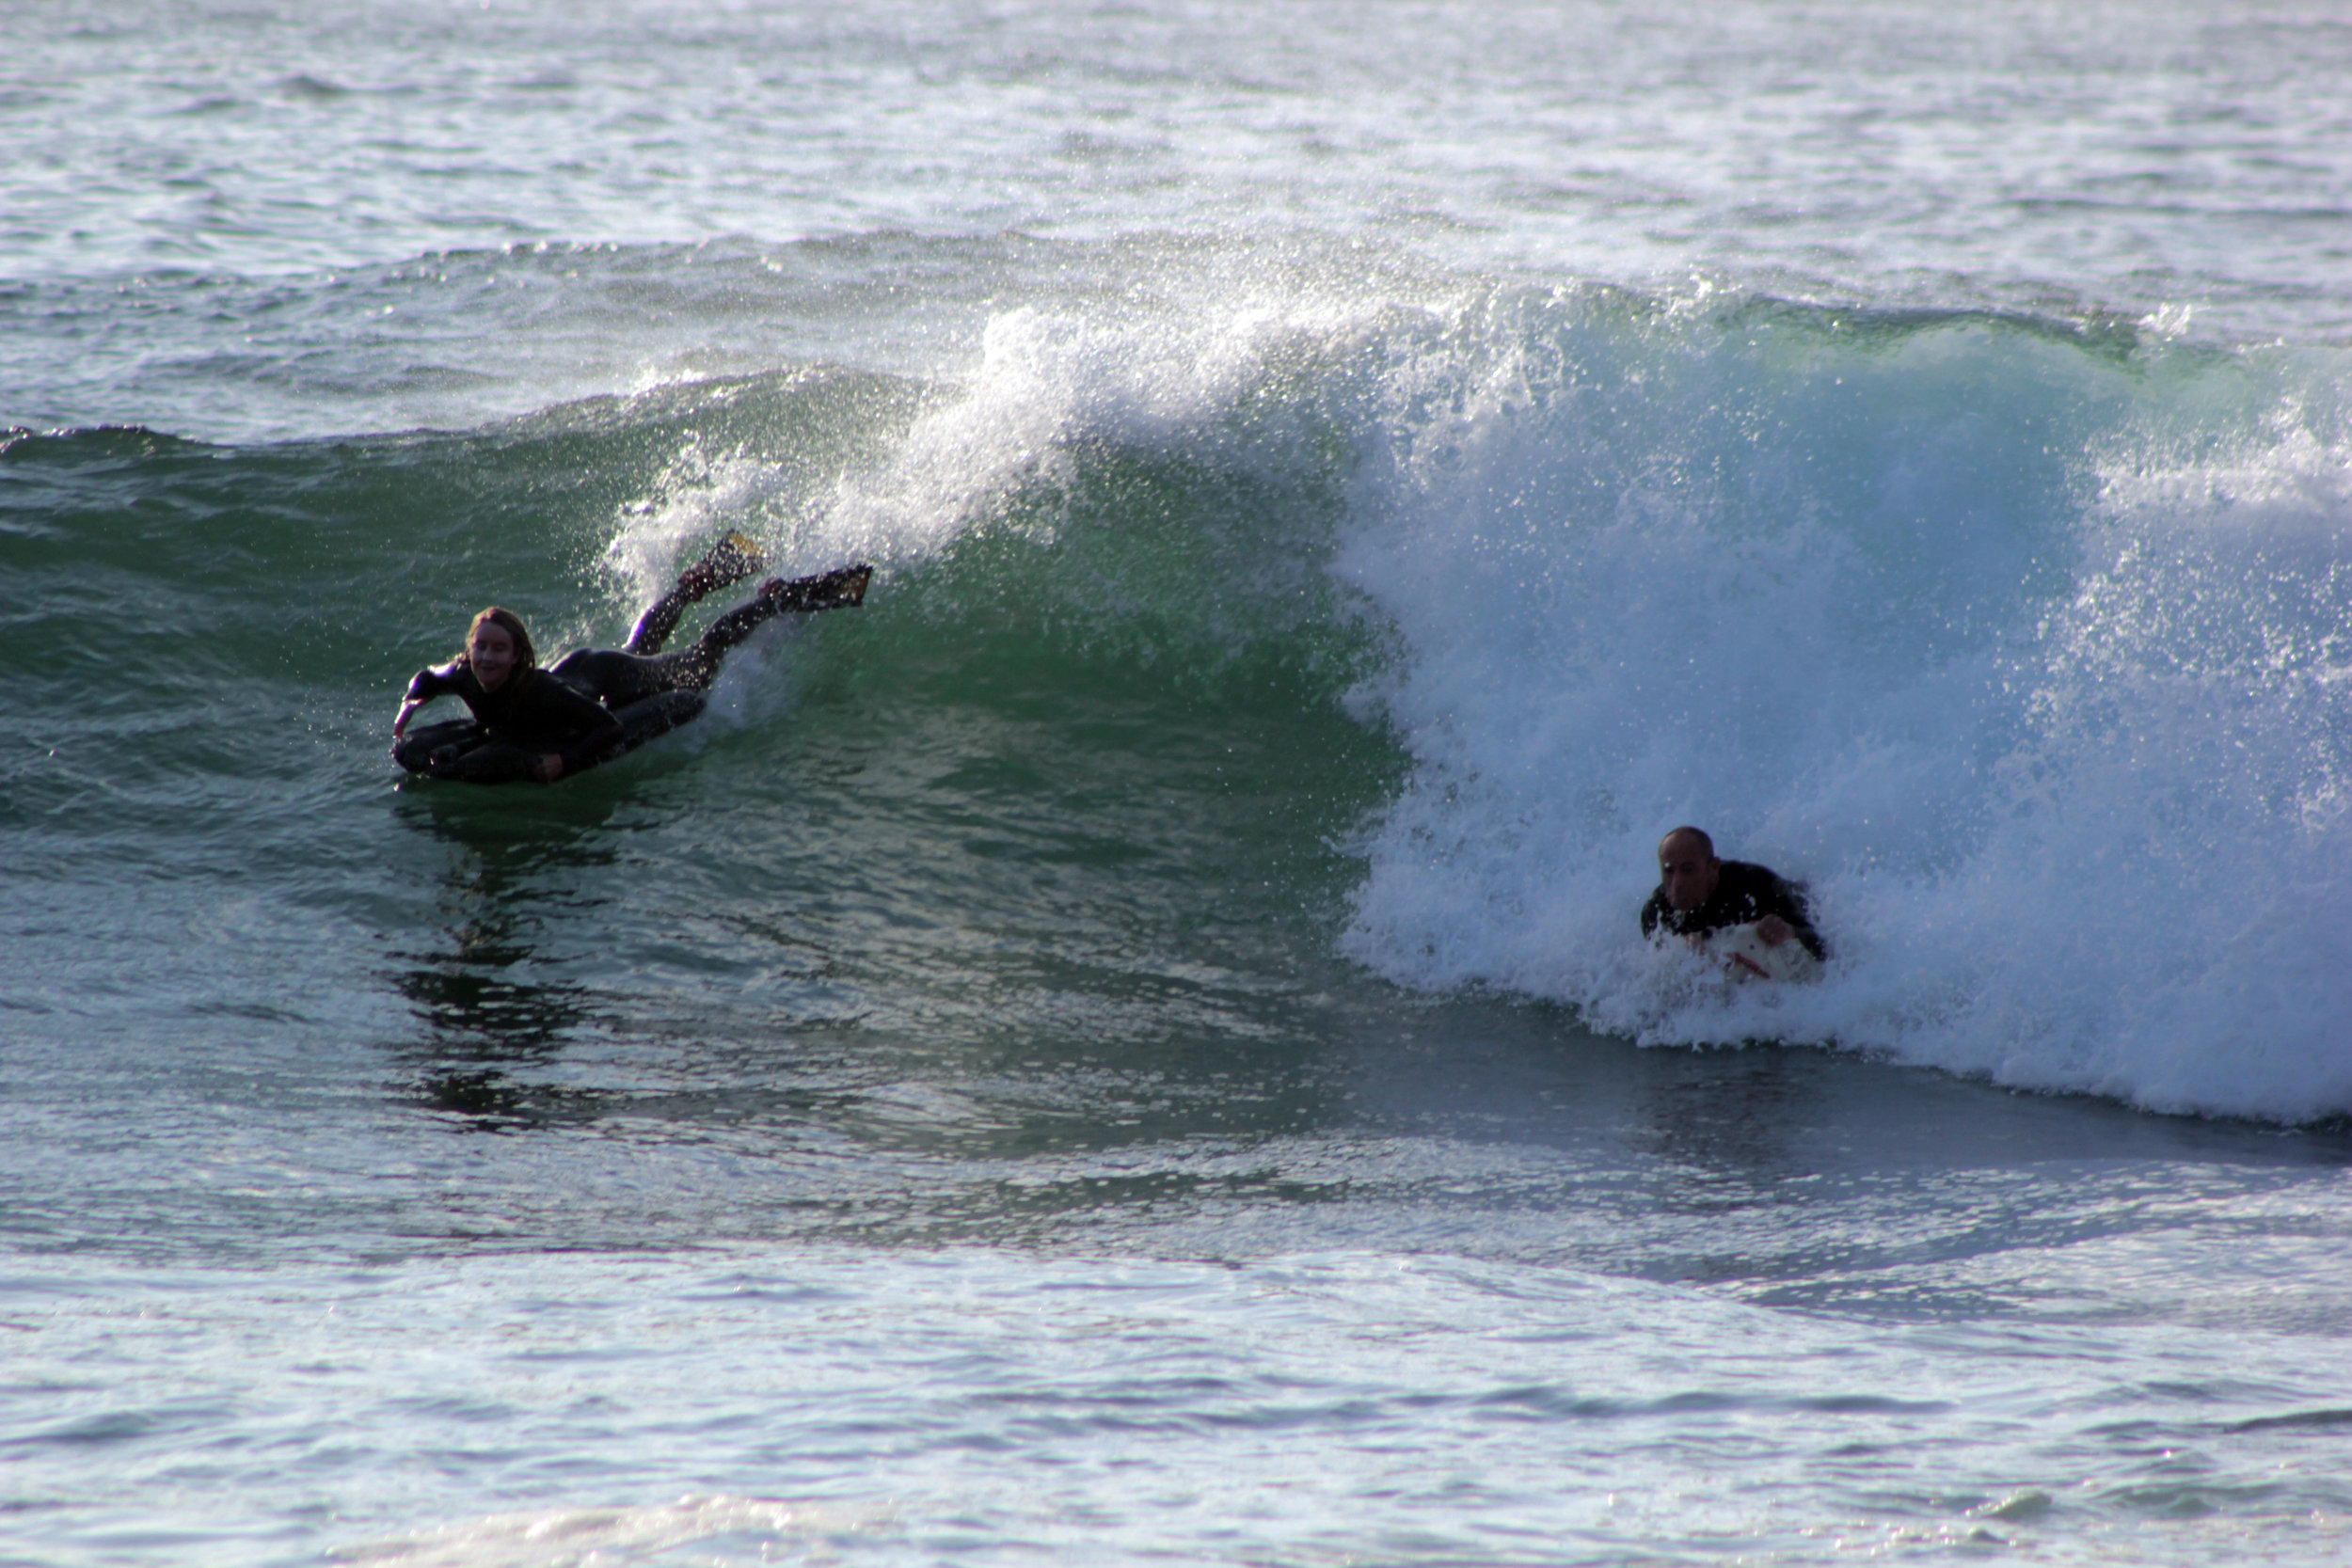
{"points": [[1090, 1057], [1079, 784]]}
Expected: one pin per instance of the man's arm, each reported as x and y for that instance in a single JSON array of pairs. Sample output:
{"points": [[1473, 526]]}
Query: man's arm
{"points": [[1785, 906]]}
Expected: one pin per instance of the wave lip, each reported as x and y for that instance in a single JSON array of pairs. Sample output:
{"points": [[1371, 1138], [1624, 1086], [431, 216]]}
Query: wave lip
{"points": [[2021, 643]]}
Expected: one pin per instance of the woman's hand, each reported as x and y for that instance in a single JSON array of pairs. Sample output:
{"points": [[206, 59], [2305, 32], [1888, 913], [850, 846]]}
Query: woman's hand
{"points": [[550, 767], [407, 710]]}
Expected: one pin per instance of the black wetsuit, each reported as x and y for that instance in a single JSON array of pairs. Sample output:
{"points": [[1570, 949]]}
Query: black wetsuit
{"points": [[530, 714], [595, 703], [1743, 893]]}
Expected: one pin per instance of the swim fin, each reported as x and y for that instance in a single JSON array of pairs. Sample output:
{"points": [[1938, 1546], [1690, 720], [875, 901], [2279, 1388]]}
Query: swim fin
{"points": [[731, 559], [840, 589]]}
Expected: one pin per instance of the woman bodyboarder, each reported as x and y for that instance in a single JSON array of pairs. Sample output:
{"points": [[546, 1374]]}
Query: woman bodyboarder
{"points": [[594, 703]]}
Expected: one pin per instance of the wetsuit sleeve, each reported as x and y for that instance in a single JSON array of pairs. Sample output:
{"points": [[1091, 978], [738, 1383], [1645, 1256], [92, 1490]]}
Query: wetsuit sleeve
{"points": [[430, 683], [1747, 892], [1653, 911]]}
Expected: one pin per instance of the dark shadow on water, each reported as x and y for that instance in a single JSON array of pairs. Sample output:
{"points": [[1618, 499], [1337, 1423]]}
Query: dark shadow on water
{"points": [[1802, 1175], [1752, 1119], [479, 996]]}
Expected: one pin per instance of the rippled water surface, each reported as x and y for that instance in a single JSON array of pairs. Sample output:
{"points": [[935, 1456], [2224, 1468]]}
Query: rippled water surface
{"points": [[1132, 1045]]}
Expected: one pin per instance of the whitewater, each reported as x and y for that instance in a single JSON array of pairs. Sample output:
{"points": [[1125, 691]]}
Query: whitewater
{"points": [[1133, 1045]]}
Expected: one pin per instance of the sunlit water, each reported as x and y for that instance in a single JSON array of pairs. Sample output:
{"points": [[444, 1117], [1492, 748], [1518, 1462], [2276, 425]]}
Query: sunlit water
{"points": [[1132, 1045]]}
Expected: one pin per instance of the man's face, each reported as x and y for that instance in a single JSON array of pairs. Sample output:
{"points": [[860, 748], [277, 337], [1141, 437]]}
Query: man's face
{"points": [[1686, 872]]}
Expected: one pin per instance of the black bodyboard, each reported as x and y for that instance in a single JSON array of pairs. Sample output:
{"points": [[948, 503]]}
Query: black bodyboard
{"points": [[463, 750]]}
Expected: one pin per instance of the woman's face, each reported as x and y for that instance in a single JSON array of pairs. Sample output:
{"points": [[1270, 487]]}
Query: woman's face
{"points": [[491, 655]]}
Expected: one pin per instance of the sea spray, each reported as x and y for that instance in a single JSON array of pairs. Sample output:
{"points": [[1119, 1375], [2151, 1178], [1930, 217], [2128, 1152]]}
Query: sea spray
{"points": [[1915, 609], [2015, 638], [2019, 641]]}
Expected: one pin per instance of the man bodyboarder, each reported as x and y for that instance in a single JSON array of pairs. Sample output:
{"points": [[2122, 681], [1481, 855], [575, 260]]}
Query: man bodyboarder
{"points": [[1699, 895]]}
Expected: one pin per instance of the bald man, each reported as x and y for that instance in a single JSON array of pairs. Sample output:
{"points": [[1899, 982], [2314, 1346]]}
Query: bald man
{"points": [[1698, 893]]}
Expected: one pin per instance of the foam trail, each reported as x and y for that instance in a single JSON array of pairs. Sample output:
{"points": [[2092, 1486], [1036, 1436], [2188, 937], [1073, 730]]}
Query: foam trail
{"points": [[559, 1538], [2028, 655]]}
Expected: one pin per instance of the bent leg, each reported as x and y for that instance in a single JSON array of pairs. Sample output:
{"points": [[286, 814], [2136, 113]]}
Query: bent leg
{"points": [[802, 596], [654, 628], [615, 677], [731, 559]]}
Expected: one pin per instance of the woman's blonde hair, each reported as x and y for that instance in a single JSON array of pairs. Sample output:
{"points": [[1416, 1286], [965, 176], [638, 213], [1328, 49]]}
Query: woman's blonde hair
{"points": [[512, 625]]}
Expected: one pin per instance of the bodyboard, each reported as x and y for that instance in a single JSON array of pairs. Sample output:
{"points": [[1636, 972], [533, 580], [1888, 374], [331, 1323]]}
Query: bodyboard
{"points": [[1742, 956], [462, 750]]}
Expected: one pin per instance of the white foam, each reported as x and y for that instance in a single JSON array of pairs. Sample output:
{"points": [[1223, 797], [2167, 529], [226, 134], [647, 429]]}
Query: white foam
{"points": [[1043, 382], [990, 447], [576, 1537], [2059, 743], [700, 496]]}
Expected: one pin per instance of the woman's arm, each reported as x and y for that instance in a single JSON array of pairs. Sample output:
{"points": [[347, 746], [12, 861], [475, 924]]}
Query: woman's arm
{"points": [[422, 688]]}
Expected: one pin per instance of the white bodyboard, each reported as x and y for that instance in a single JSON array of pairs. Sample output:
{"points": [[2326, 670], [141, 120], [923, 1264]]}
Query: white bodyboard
{"points": [[1732, 956], [1742, 956]]}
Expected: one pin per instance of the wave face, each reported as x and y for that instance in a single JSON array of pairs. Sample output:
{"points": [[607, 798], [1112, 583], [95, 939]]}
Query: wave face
{"points": [[1068, 786], [1390, 621], [2023, 646]]}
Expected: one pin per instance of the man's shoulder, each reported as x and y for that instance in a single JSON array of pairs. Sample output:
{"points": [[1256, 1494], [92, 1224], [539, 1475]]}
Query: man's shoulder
{"points": [[1760, 888], [1765, 891]]}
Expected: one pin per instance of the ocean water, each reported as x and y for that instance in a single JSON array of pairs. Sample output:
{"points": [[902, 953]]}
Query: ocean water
{"points": [[1132, 1045]]}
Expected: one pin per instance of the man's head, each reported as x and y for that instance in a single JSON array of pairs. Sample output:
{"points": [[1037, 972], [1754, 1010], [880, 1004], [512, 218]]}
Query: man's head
{"points": [[1687, 869]]}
